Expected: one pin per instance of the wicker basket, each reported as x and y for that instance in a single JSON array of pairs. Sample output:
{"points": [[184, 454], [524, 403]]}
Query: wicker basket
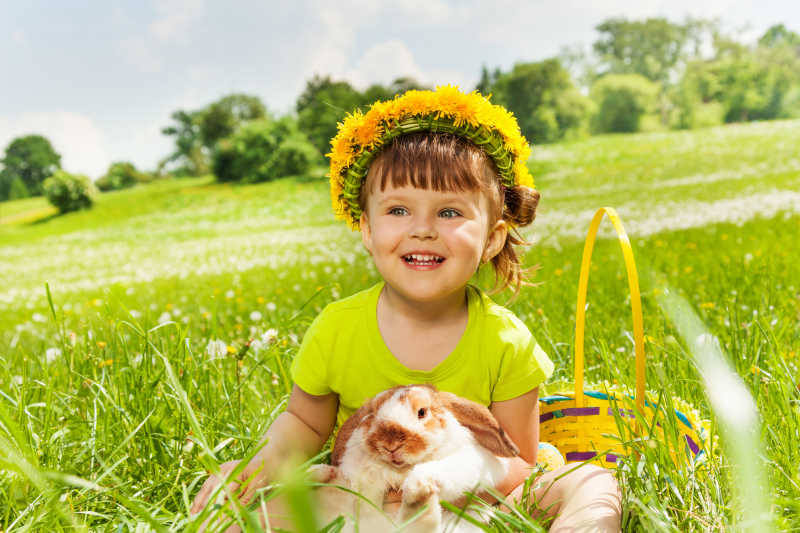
{"points": [[593, 425]]}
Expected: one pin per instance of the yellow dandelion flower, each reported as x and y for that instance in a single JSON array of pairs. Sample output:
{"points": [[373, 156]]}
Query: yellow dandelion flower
{"points": [[101, 344], [360, 134], [707, 305]]}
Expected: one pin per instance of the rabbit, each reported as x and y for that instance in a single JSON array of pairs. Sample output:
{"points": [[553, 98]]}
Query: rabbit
{"points": [[430, 444]]}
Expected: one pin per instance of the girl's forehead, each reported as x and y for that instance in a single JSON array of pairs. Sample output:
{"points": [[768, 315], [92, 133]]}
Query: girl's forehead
{"points": [[409, 191]]}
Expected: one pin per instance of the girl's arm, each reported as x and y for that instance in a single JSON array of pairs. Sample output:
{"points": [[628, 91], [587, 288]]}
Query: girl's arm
{"points": [[297, 433], [519, 418]]}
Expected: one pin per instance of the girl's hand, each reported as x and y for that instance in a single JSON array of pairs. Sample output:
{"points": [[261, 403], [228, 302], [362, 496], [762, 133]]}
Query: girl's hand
{"points": [[213, 481]]}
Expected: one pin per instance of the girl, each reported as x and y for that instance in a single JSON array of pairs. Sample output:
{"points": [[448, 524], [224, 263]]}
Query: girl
{"points": [[437, 183]]}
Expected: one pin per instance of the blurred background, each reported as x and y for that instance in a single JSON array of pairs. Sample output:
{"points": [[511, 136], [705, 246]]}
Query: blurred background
{"points": [[146, 82]]}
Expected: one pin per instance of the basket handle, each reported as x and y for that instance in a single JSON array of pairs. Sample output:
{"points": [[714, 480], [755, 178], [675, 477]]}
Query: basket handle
{"points": [[636, 304]]}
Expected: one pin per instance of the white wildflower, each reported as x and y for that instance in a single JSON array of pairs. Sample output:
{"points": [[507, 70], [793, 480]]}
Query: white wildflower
{"points": [[216, 348], [255, 316], [269, 336], [271, 306], [129, 291], [230, 294], [38, 317], [176, 312], [165, 317], [136, 314], [52, 354]]}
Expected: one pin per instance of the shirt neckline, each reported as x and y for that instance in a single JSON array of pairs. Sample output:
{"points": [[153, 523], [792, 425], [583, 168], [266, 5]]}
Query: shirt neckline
{"points": [[444, 368]]}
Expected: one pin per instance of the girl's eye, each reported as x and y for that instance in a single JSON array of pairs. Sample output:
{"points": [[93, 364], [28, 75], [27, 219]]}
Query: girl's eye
{"points": [[421, 413], [399, 211], [449, 213]]}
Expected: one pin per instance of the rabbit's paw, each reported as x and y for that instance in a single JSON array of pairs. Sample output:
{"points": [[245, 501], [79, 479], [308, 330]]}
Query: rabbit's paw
{"points": [[418, 488], [324, 474]]}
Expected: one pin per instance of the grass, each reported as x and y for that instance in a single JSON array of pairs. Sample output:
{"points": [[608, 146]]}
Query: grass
{"points": [[107, 398]]}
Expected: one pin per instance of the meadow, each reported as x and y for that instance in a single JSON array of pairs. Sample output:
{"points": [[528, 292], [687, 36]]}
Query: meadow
{"points": [[124, 373]]}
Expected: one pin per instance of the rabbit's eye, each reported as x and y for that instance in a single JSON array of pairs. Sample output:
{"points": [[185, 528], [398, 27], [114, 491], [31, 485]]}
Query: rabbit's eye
{"points": [[421, 413]]}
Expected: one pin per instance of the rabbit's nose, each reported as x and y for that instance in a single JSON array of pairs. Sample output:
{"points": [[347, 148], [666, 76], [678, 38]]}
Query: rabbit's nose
{"points": [[392, 446]]}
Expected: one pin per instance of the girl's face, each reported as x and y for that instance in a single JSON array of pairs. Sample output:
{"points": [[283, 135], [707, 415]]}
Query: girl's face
{"points": [[427, 244]]}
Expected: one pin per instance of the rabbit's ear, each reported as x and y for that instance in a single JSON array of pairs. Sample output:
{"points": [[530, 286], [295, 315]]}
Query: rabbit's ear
{"points": [[484, 427], [362, 417]]}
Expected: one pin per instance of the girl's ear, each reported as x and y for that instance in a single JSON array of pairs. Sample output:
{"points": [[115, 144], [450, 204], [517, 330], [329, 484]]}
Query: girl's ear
{"points": [[366, 234], [495, 241]]}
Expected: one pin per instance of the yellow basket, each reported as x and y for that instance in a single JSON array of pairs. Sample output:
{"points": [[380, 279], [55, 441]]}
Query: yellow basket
{"points": [[591, 425]]}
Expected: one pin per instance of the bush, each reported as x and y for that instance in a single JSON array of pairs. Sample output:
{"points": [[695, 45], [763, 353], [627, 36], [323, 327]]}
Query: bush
{"points": [[543, 98], [621, 100], [263, 151], [121, 175], [69, 192]]}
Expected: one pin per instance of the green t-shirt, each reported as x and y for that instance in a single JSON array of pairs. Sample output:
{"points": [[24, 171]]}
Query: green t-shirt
{"points": [[343, 352]]}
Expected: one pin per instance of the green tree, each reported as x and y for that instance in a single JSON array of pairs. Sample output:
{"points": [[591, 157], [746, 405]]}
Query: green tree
{"points": [[779, 35], [488, 79], [222, 118], [321, 106], [197, 132], [547, 105], [386, 92], [17, 190], [750, 83], [264, 150], [621, 101], [189, 153], [30, 159], [651, 48], [69, 192]]}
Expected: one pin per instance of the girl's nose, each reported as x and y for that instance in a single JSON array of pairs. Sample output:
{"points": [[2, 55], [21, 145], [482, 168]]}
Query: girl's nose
{"points": [[423, 228]]}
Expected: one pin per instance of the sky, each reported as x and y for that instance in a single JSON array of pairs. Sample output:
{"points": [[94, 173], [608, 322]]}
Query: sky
{"points": [[100, 79]]}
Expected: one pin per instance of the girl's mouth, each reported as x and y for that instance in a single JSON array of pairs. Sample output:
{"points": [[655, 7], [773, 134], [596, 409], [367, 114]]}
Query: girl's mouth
{"points": [[423, 260]]}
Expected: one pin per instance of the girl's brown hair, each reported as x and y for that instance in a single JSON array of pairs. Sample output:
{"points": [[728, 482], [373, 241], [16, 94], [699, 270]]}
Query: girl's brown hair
{"points": [[447, 162]]}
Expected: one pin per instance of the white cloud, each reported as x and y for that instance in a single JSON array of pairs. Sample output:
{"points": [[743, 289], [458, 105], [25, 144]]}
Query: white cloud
{"points": [[172, 25], [383, 63], [76, 137], [175, 19]]}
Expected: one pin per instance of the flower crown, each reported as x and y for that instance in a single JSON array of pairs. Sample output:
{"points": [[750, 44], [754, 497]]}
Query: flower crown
{"points": [[361, 137]]}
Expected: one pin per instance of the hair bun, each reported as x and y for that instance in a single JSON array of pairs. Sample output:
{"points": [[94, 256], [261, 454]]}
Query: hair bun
{"points": [[521, 203]]}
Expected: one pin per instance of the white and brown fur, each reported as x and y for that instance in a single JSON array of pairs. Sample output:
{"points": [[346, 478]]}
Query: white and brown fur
{"points": [[429, 444]]}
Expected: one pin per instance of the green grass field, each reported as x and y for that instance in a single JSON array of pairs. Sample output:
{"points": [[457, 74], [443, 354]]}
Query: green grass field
{"points": [[109, 398]]}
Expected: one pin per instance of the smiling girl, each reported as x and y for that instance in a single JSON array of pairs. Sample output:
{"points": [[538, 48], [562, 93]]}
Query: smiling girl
{"points": [[437, 184]]}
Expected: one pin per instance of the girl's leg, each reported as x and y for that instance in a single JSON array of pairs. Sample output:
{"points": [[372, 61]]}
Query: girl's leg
{"points": [[585, 499]]}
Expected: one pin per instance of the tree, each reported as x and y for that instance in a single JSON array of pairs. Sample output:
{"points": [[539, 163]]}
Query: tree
{"points": [[780, 35], [223, 117], [488, 79], [197, 132], [621, 101], [188, 145], [321, 106], [651, 48], [750, 83], [264, 150], [30, 159], [547, 105]]}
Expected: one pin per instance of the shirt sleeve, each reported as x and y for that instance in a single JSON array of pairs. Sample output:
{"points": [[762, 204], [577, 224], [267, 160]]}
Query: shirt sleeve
{"points": [[524, 366], [309, 369]]}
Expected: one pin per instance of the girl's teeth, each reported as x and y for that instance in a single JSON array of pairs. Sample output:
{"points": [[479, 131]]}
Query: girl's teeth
{"points": [[427, 259]]}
